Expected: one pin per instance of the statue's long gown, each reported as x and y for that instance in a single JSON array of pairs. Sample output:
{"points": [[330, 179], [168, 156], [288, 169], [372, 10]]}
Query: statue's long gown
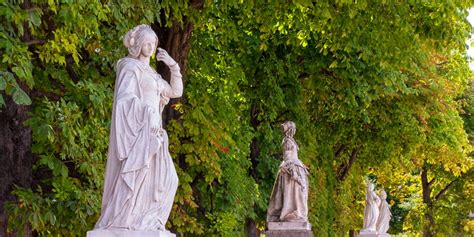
{"points": [[383, 222], [289, 199], [371, 211], [141, 179]]}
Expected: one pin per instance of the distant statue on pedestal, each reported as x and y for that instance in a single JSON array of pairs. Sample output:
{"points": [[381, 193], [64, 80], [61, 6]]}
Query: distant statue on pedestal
{"points": [[288, 207], [383, 221], [371, 211]]}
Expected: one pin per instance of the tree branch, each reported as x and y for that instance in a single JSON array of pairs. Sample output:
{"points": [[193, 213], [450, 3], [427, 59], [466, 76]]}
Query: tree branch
{"points": [[344, 168], [443, 191], [430, 184], [339, 151], [35, 41], [425, 187], [197, 4]]}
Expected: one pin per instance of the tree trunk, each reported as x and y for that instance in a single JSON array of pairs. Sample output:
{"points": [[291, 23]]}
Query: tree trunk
{"points": [[426, 188], [427, 226], [251, 229], [15, 155], [250, 225], [177, 42]]}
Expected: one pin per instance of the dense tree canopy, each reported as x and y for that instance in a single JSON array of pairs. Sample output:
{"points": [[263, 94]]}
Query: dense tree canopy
{"points": [[376, 88]]}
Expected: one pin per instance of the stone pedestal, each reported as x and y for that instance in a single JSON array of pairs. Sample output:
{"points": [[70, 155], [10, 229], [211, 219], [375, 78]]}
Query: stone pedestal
{"points": [[288, 226], [365, 233], [288, 229], [289, 233], [128, 233]]}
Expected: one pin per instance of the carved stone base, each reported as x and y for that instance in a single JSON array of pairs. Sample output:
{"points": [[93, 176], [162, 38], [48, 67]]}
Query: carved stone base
{"points": [[288, 229], [128, 233], [367, 234], [372, 234], [289, 233], [288, 226]]}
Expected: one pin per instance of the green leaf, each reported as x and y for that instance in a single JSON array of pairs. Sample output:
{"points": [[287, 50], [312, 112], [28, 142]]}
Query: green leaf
{"points": [[34, 19], [2, 102], [20, 97], [3, 83], [19, 72], [64, 171]]}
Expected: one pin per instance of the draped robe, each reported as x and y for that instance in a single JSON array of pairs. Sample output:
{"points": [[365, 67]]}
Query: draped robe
{"points": [[140, 179], [289, 199], [371, 211], [383, 223]]}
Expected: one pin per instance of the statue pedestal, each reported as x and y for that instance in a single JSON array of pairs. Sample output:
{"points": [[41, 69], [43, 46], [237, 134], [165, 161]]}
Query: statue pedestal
{"points": [[128, 233], [368, 234], [288, 229], [288, 226], [289, 233]]}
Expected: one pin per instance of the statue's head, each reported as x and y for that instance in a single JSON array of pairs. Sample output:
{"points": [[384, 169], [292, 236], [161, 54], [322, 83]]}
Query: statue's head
{"points": [[370, 186], [141, 40], [289, 128]]}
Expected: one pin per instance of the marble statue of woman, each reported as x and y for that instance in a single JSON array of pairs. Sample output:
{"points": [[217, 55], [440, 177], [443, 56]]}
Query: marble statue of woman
{"points": [[371, 211], [384, 215], [289, 199], [140, 178]]}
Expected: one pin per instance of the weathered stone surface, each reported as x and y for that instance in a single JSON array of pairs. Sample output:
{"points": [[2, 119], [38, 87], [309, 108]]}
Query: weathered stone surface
{"points": [[368, 234], [289, 233], [371, 211], [289, 199], [287, 214], [140, 178], [288, 226], [383, 223], [128, 233]]}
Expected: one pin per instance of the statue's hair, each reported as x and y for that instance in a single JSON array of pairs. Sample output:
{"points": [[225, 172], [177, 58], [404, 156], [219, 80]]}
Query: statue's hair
{"points": [[133, 40], [289, 128]]}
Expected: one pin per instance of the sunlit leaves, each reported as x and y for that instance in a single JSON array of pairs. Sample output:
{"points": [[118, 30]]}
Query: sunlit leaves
{"points": [[20, 97], [381, 78]]}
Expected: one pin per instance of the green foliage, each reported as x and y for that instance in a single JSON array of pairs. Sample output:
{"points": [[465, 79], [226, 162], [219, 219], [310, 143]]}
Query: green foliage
{"points": [[373, 86], [70, 140], [211, 143]]}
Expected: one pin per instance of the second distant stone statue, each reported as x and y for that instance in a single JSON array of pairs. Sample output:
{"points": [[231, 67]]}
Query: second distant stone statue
{"points": [[384, 215], [371, 212], [376, 213], [287, 213]]}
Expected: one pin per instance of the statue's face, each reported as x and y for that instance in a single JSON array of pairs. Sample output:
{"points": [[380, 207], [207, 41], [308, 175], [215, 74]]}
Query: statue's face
{"points": [[148, 45]]}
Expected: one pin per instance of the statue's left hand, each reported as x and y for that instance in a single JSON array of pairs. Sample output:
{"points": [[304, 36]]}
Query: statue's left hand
{"points": [[162, 55]]}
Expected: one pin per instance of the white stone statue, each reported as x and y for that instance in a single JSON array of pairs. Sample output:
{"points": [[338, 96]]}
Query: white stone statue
{"points": [[371, 211], [289, 199], [383, 221], [140, 178]]}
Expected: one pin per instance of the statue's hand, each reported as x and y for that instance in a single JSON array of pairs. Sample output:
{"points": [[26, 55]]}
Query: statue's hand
{"points": [[162, 55]]}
